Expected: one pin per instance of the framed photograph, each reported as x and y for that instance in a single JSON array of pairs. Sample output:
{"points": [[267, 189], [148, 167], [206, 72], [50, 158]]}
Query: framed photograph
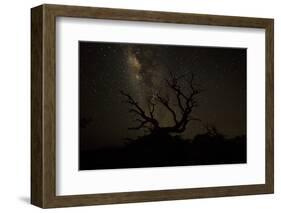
{"points": [[136, 106]]}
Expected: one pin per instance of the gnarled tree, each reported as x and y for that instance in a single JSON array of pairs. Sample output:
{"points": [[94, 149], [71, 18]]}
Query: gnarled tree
{"points": [[181, 111]]}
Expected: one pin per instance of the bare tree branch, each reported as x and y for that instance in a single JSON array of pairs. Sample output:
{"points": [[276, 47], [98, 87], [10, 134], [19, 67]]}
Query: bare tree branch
{"points": [[185, 102], [165, 103], [151, 109], [187, 106], [141, 125], [136, 109]]}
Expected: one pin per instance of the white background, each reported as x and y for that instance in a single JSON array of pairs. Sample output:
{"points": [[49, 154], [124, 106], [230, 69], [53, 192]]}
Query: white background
{"points": [[71, 181], [15, 106]]}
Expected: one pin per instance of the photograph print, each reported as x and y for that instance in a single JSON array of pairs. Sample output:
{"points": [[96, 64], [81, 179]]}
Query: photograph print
{"points": [[158, 105]]}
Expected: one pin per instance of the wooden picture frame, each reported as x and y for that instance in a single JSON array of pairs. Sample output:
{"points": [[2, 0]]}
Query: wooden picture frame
{"points": [[43, 102]]}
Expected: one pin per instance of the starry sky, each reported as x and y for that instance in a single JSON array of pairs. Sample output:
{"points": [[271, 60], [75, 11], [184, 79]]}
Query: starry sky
{"points": [[141, 71]]}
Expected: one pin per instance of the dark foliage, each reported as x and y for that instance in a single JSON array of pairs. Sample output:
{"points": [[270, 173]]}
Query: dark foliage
{"points": [[166, 150]]}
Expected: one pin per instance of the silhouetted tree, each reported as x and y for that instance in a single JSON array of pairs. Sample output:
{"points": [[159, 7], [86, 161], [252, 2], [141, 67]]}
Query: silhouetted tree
{"points": [[181, 112], [211, 130], [211, 135]]}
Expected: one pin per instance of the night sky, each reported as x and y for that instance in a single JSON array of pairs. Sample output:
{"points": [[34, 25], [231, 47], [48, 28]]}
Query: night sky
{"points": [[141, 71]]}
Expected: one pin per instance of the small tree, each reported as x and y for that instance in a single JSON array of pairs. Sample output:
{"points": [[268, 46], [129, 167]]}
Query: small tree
{"points": [[181, 112]]}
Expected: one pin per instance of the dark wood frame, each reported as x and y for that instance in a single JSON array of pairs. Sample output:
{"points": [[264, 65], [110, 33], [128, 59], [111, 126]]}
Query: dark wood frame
{"points": [[43, 106]]}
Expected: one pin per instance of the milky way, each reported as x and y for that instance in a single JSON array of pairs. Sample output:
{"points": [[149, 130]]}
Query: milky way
{"points": [[147, 75]]}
